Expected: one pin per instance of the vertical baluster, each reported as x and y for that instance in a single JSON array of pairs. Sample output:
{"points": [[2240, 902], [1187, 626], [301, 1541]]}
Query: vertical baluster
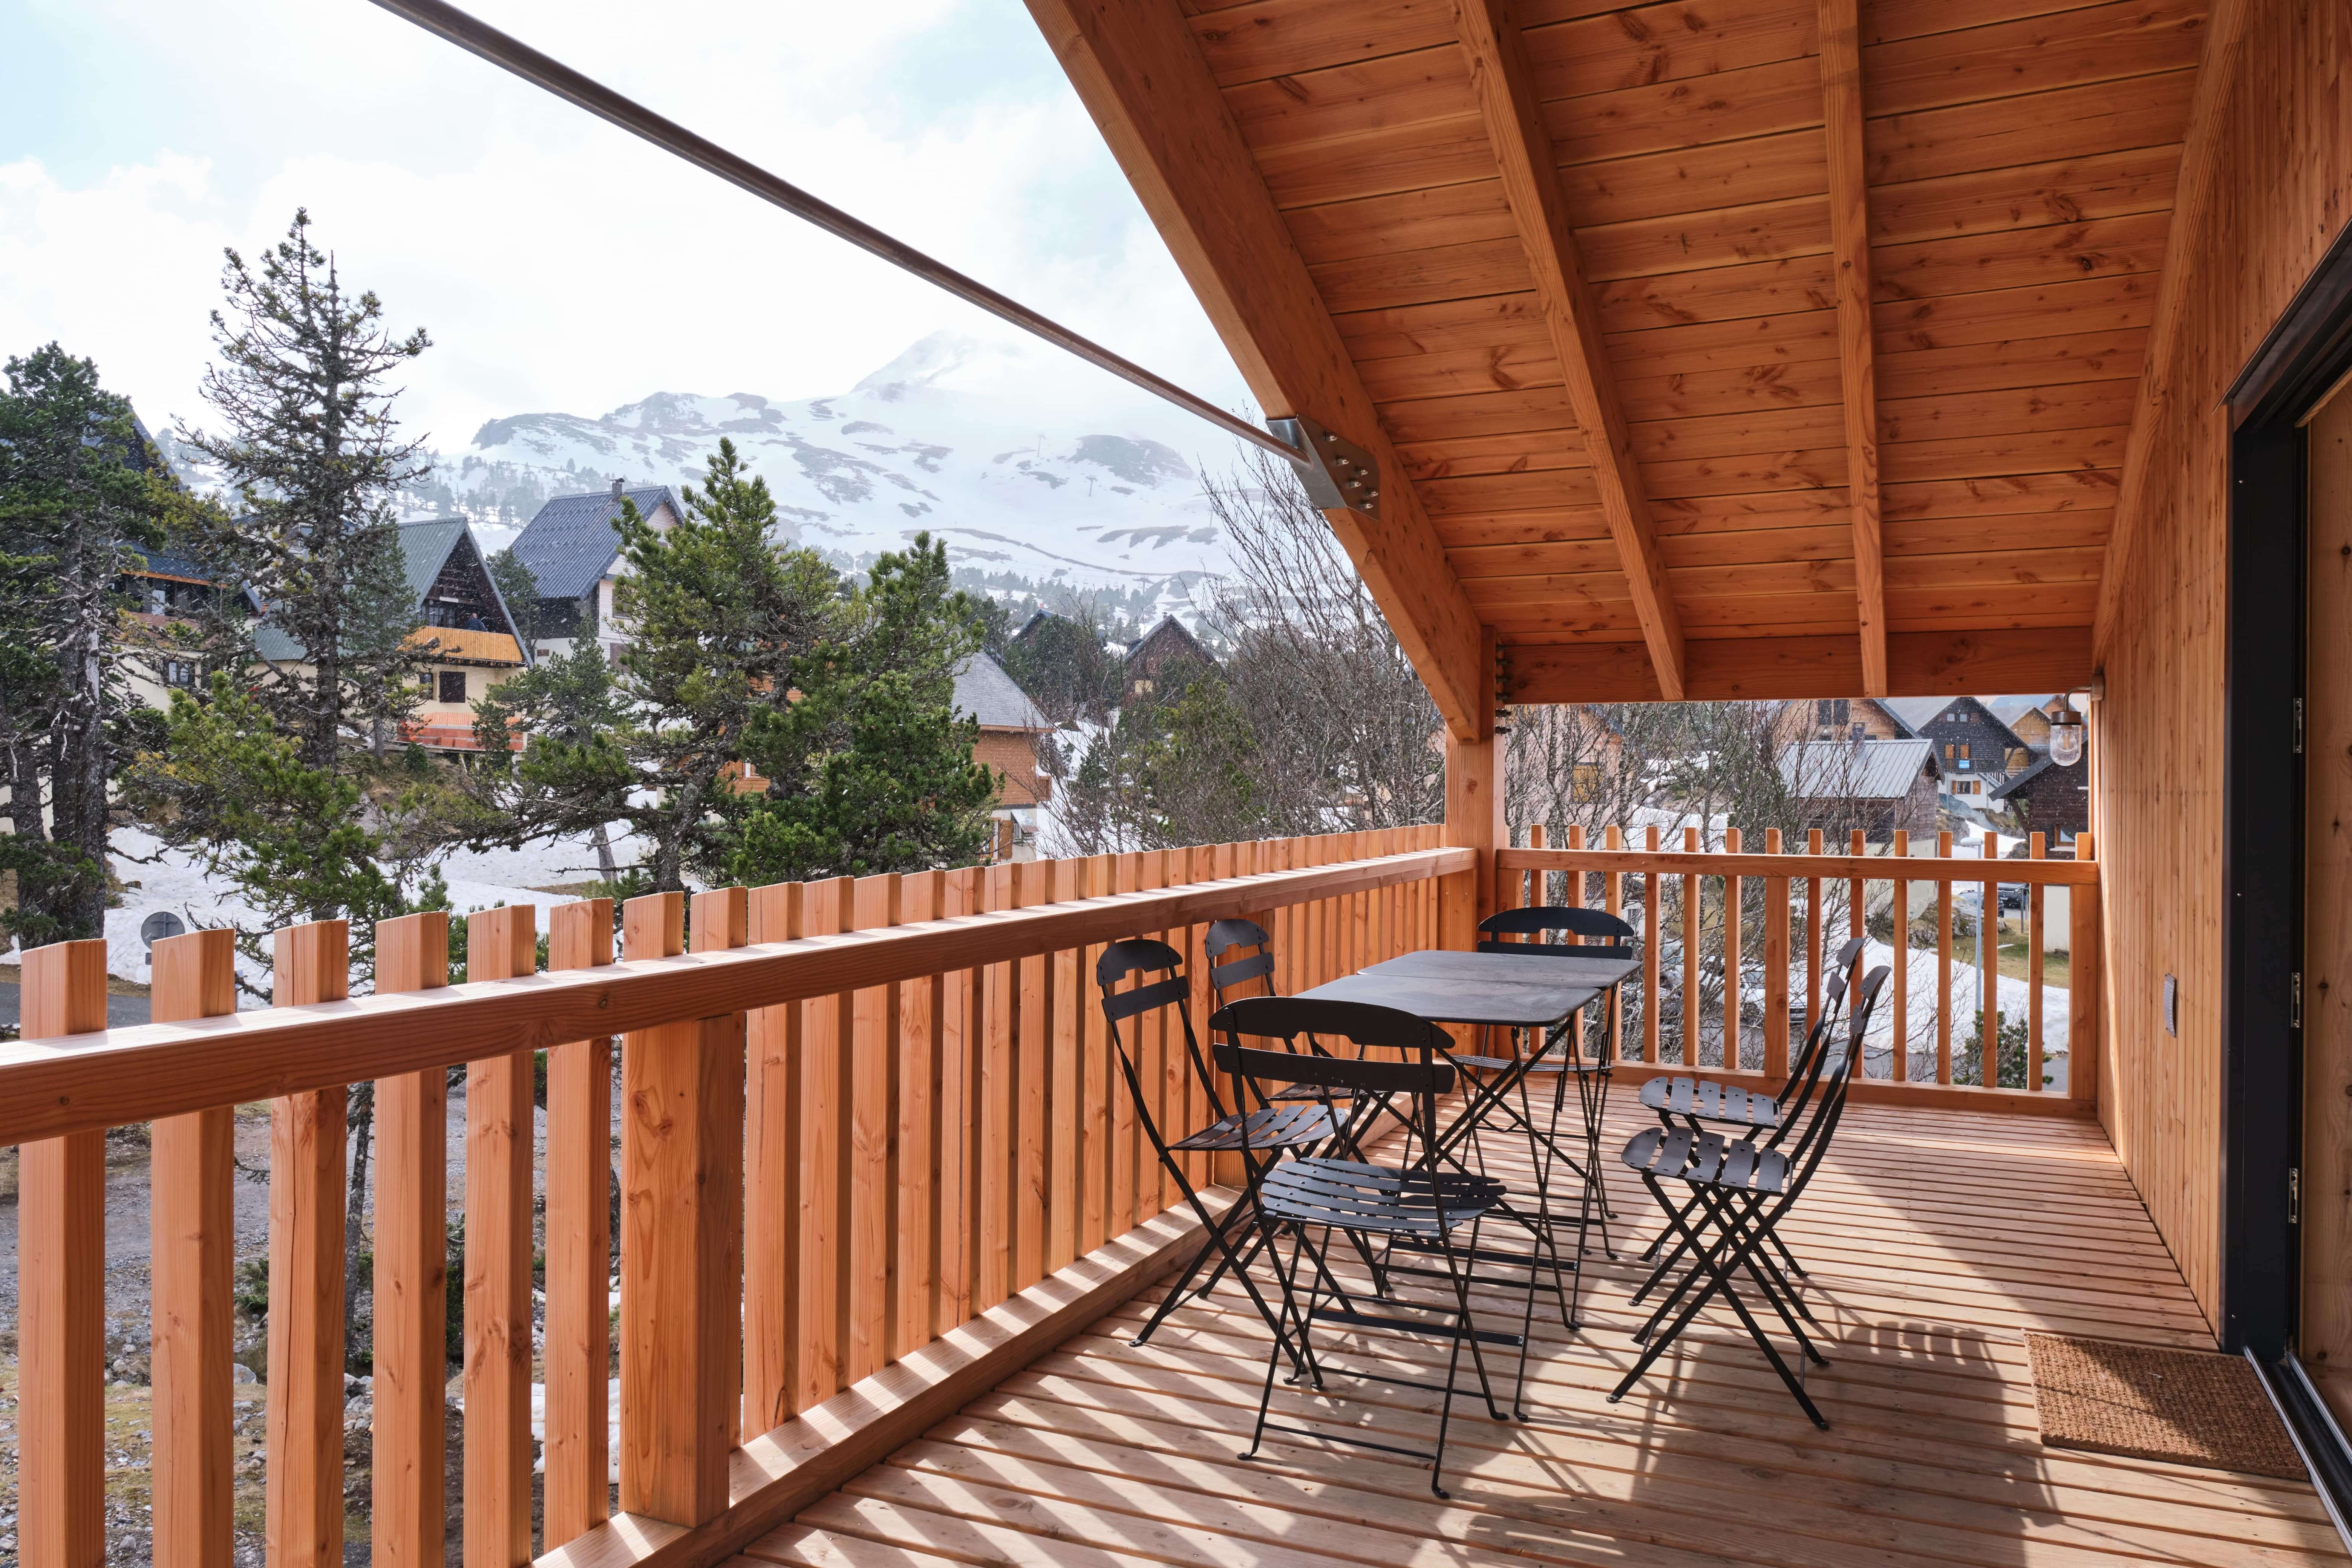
{"points": [[2039, 851], [1063, 1116], [992, 1264], [1653, 890], [826, 909], [1731, 955], [1776, 967], [1988, 969], [1205, 863], [2083, 967], [303, 1496], [61, 1291], [959, 1078], [869, 1193], [1812, 933], [1528, 890], [193, 1252], [1944, 957], [1899, 982], [578, 1345], [682, 1260], [1162, 1046], [501, 944], [773, 1040], [408, 1489], [1613, 899], [1855, 925], [1102, 1090], [915, 1272], [1031, 1076], [1691, 1010], [1126, 1136]]}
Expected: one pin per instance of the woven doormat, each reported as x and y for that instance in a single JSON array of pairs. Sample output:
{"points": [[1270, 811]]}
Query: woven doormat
{"points": [[2190, 1407]]}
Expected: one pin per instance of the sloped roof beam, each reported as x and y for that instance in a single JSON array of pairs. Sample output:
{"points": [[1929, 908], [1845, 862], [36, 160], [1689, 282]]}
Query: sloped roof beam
{"points": [[1841, 34], [1505, 83]]}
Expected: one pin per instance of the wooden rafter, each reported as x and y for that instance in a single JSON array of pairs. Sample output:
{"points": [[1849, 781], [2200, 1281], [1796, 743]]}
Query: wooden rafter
{"points": [[1920, 664], [1840, 35], [1504, 81], [1138, 69], [2225, 27]]}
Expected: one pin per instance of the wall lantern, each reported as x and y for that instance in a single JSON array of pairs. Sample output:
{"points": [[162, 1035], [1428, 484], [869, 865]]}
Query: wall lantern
{"points": [[2066, 736]]}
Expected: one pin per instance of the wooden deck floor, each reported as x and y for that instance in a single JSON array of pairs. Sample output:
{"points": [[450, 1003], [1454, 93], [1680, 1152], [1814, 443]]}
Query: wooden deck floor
{"points": [[1935, 1237]]}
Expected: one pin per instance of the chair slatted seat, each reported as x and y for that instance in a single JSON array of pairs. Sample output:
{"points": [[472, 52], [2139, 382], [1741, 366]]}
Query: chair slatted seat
{"points": [[1368, 1198], [1708, 1158], [1709, 1101], [1296, 1125]]}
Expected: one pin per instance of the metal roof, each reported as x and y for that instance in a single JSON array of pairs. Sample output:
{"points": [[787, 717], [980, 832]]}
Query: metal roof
{"points": [[1862, 770], [424, 547], [983, 691], [573, 539]]}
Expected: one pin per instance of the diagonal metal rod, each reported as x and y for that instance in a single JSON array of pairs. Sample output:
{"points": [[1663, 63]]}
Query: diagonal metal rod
{"points": [[512, 54]]}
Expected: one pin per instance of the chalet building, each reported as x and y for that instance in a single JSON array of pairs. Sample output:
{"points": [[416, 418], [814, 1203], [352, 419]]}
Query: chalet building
{"points": [[1977, 752], [1163, 643], [1847, 719], [1009, 728], [1878, 786], [572, 546], [2049, 798], [463, 627]]}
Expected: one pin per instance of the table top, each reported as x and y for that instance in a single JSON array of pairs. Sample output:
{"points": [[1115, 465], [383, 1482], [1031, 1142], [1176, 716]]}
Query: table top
{"points": [[1553, 968], [1440, 999]]}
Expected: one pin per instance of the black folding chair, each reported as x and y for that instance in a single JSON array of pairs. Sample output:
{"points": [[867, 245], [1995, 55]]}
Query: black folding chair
{"points": [[1272, 1129], [1413, 1209], [1526, 932], [1694, 1102], [1744, 1190]]}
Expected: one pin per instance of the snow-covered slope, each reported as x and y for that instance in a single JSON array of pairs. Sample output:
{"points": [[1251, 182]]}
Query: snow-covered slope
{"points": [[1021, 460]]}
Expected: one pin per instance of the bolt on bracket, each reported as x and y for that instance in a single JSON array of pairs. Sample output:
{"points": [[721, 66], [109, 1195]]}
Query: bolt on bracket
{"points": [[1339, 475]]}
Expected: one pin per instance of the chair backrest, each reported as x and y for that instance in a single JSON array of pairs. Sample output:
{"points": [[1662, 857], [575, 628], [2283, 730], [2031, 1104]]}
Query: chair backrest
{"points": [[1419, 1079], [1834, 1074], [1615, 938], [1836, 986], [1145, 957], [1231, 970]]}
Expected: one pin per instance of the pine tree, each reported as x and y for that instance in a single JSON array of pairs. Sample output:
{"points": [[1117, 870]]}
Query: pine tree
{"points": [[314, 455], [519, 588], [82, 494], [869, 767]]}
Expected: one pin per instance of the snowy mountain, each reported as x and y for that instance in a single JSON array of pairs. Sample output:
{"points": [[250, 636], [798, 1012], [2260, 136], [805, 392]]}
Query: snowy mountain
{"points": [[1022, 461]]}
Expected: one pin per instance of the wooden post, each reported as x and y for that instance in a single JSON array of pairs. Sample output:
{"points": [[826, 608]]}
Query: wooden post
{"points": [[867, 1213], [1691, 912], [914, 1271], [1944, 957], [303, 1498], [1614, 896], [1065, 1109], [1033, 977], [681, 1257], [1855, 925], [1535, 885], [1102, 1086], [501, 944], [959, 1040], [1731, 957], [1474, 814], [409, 1493], [771, 1184], [578, 1450], [2085, 1039], [61, 1292], [2039, 850], [193, 1250], [1898, 983], [823, 1108], [1776, 967], [1654, 889], [1812, 934], [1989, 973]]}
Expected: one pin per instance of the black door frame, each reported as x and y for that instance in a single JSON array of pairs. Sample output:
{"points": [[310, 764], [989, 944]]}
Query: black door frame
{"points": [[2307, 355]]}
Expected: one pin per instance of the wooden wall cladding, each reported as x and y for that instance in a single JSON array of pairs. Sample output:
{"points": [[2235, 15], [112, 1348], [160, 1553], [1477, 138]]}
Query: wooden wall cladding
{"points": [[2020, 158], [2284, 176]]}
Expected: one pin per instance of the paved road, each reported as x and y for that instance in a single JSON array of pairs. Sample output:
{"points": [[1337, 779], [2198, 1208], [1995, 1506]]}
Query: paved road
{"points": [[120, 1011]]}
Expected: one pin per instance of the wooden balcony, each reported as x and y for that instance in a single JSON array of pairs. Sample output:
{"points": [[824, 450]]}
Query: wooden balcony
{"points": [[889, 1219]]}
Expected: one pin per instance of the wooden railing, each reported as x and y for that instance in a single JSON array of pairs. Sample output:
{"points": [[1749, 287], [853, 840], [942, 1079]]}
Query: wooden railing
{"points": [[854, 1117], [1736, 946]]}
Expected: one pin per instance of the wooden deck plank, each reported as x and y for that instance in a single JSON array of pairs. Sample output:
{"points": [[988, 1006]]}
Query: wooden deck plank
{"points": [[1102, 1455]]}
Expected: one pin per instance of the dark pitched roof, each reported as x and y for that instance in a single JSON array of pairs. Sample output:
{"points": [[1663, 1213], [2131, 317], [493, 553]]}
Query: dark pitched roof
{"points": [[983, 691], [573, 539], [1859, 770], [2019, 780], [1169, 630], [424, 547]]}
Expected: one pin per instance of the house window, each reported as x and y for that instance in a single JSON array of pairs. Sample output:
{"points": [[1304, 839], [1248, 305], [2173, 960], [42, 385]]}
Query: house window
{"points": [[1861, 732], [1964, 751], [453, 685], [1588, 780], [180, 672], [1831, 712]]}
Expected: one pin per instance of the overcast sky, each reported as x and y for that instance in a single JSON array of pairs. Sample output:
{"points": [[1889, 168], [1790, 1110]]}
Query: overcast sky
{"points": [[557, 263]]}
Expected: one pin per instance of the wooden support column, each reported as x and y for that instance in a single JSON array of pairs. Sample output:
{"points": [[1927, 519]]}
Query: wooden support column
{"points": [[578, 1348], [1776, 967], [2086, 1023], [191, 1243], [501, 944], [772, 1186], [682, 1213], [1857, 345], [1474, 817], [409, 1494], [303, 1498], [1504, 81], [61, 1292]]}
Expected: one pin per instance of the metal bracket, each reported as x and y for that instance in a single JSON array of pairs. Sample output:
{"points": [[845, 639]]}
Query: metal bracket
{"points": [[1339, 475]]}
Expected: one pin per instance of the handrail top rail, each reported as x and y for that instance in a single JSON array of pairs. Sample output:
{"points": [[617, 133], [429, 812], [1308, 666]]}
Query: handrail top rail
{"points": [[109, 1078], [1966, 870]]}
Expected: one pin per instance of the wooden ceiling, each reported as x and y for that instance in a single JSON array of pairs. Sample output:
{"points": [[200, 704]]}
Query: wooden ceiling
{"points": [[1727, 347]]}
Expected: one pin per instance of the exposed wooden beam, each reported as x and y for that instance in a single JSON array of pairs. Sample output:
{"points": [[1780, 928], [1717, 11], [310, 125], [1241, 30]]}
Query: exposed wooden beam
{"points": [[1138, 69], [1505, 83], [1920, 664], [1840, 30], [2225, 31]]}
